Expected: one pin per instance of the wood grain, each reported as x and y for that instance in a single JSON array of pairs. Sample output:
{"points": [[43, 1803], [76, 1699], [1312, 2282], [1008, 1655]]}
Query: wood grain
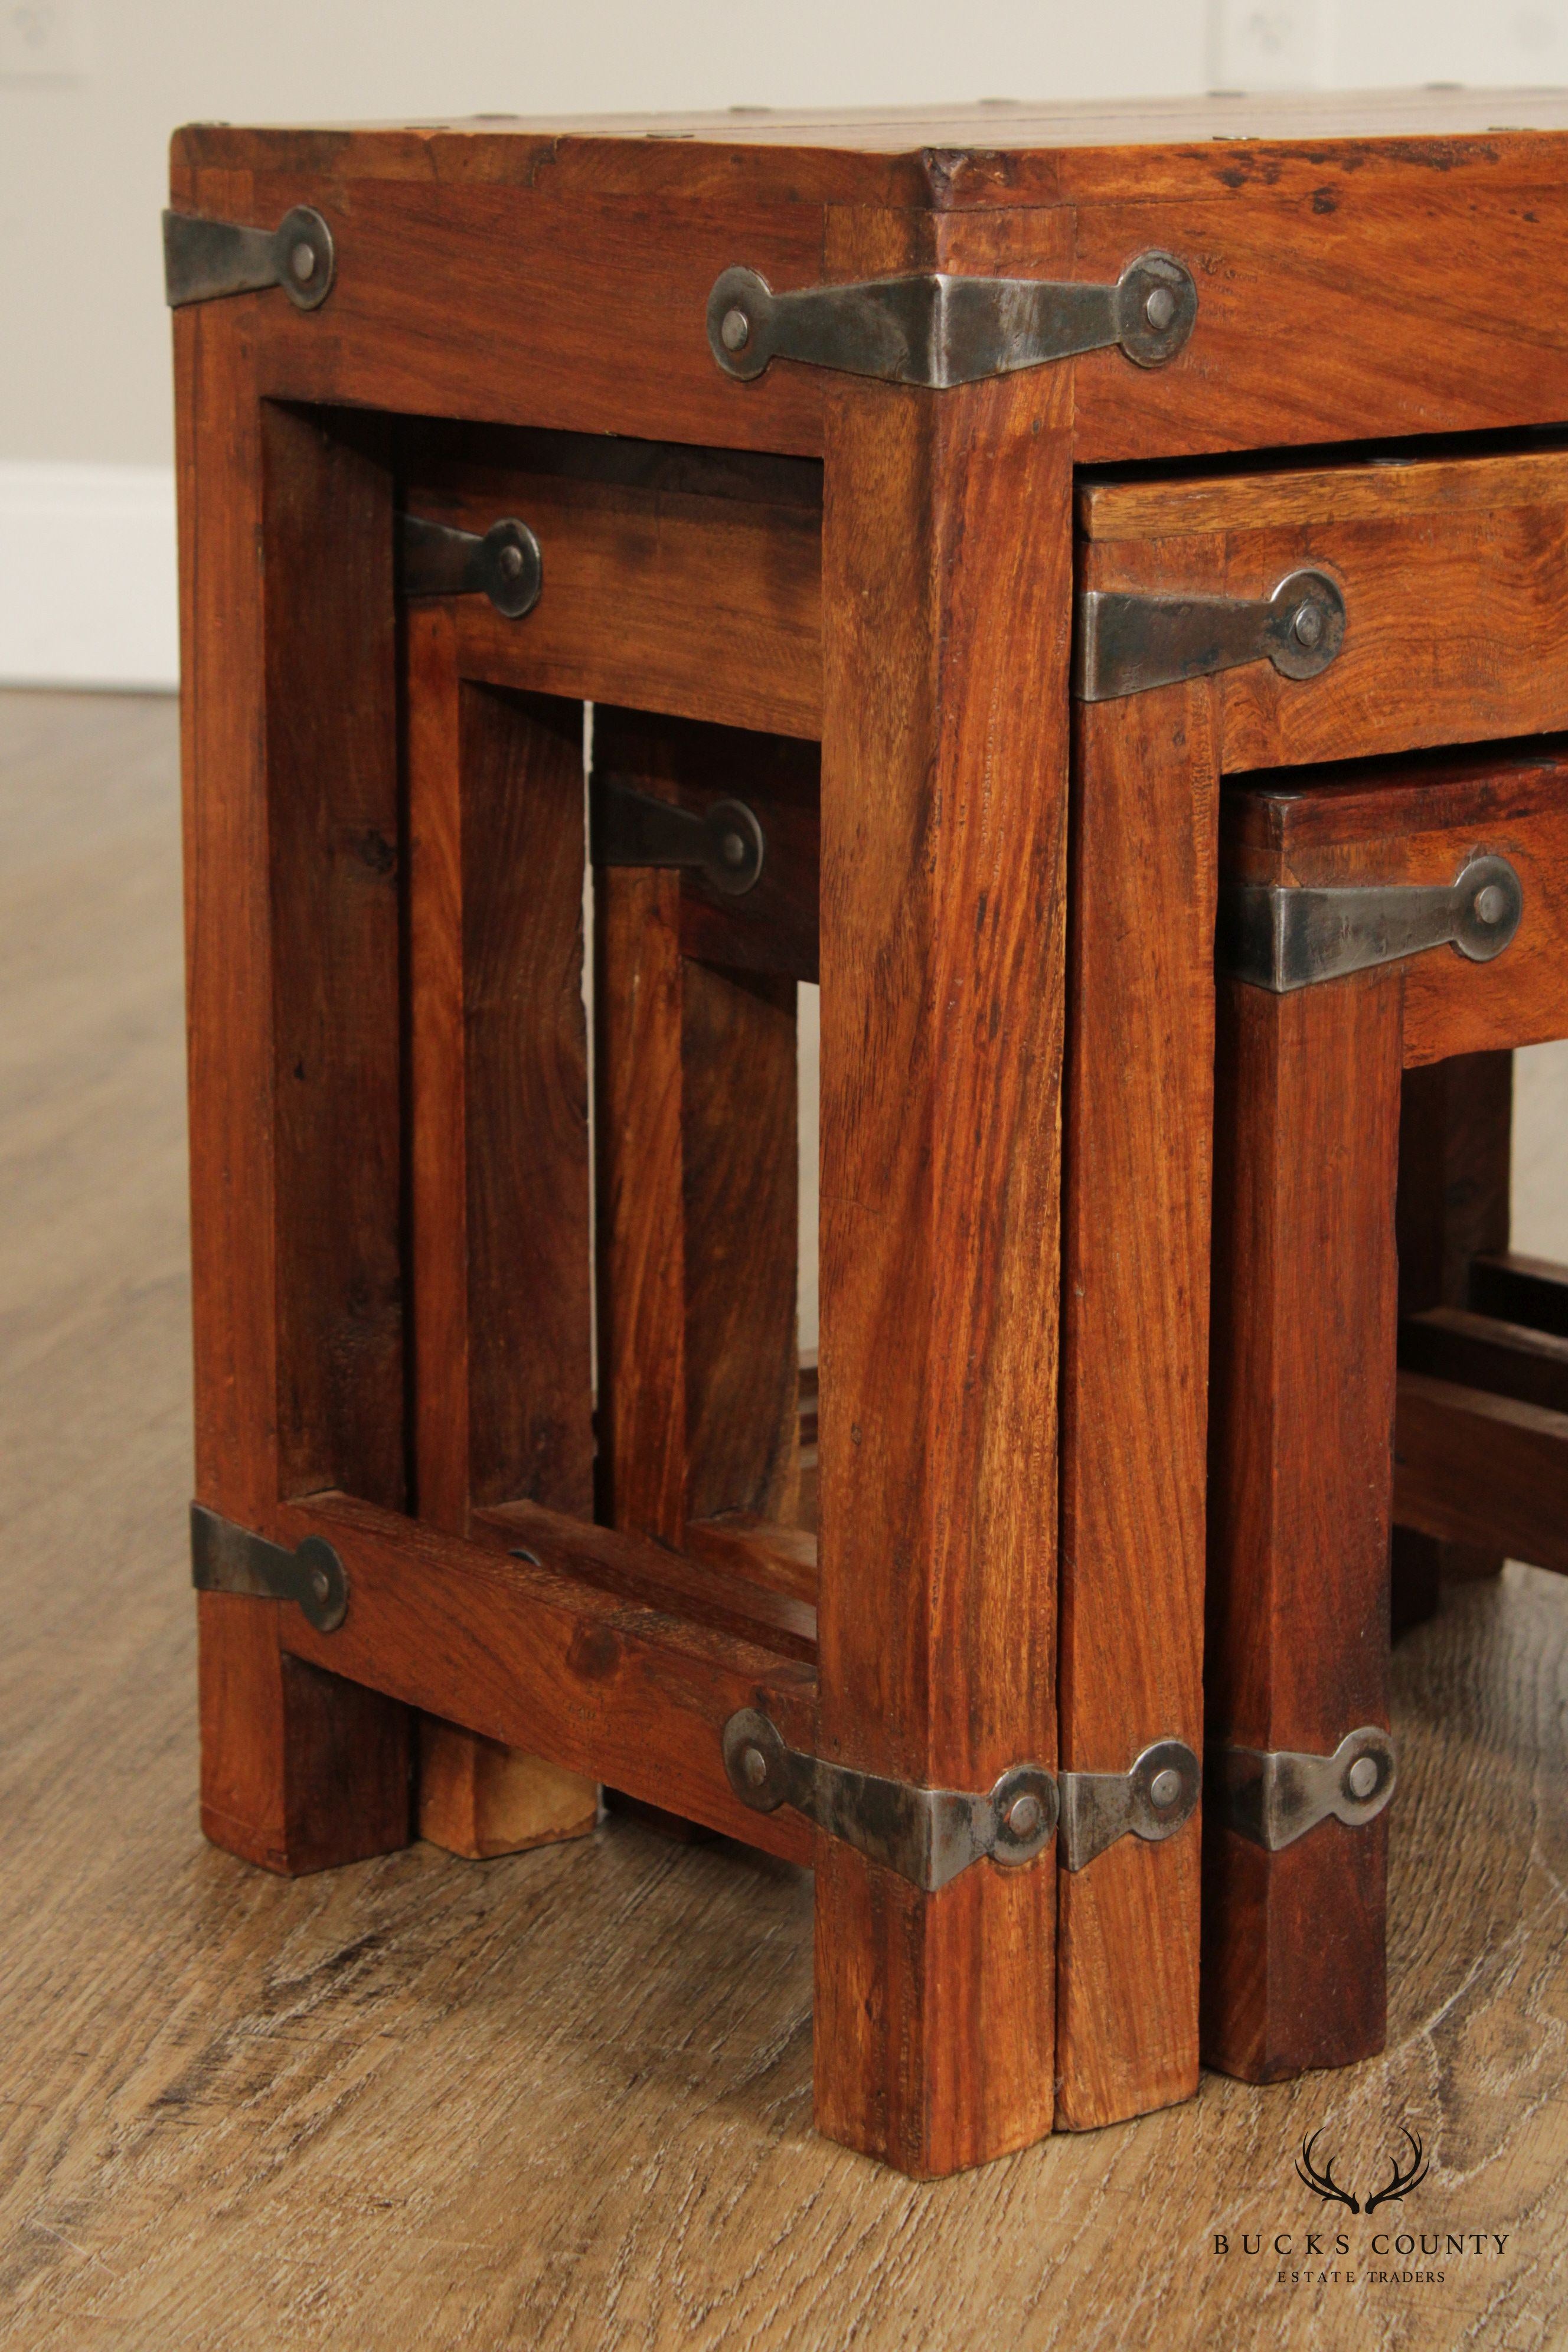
{"points": [[1421, 824], [1301, 1372], [1456, 1137], [697, 1216], [498, 1157], [1473, 1466], [1134, 1336], [946, 553], [1457, 618], [297, 1773], [565, 2098], [669, 593], [451, 251]]}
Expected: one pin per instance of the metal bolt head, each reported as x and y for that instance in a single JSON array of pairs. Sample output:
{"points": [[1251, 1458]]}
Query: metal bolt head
{"points": [[303, 262], [1164, 1789], [509, 561], [1491, 904], [1024, 1816], [1361, 1777], [321, 1584], [1160, 308], [753, 1766], [735, 330], [1308, 624], [732, 849]]}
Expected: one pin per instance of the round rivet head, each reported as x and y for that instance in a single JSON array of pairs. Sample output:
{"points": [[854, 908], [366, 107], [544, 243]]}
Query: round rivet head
{"points": [[1308, 624], [735, 331], [732, 849], [1024, 1816], [1361, 1777], [754, 1765], [511, 560], [1160, 309], [303, 262], [1164, 1789], [321, 1584], [1491, 904]]}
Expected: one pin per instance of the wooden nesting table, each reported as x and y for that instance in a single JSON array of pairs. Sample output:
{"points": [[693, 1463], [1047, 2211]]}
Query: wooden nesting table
{"points": [[932, 512]]}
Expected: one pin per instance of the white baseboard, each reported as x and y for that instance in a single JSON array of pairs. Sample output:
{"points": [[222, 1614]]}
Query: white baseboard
{"points": [[88, 594]]}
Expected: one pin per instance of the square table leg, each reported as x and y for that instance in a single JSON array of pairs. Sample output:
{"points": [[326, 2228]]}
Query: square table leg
{"points": [[947, 609]]}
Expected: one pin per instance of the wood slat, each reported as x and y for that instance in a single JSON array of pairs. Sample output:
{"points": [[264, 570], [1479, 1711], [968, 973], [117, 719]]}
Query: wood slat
{"points": [[498, 1154], [1520, 1289], [528, 1652], [298, 1770], [707, 608], [1135, 1305], [1472, 1467]]}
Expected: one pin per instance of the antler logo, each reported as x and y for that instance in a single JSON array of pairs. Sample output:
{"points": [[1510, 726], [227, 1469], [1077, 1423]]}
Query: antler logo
{"points": [[1323, 2183], [1400, 2182]]}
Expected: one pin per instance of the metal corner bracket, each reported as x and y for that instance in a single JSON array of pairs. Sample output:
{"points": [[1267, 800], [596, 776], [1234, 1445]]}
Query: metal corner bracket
{"points": [[1151, 1800], [229, 1559], [938, 331], [504, 563], [725, 841], [1273, 1796], [205, 259], [1130, 641], [930, 1836], [927, 1835], [1284, 936]]}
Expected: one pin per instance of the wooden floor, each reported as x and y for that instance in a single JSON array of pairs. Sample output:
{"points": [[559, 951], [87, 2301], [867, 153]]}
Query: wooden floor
{"points": [[564, 2099]]}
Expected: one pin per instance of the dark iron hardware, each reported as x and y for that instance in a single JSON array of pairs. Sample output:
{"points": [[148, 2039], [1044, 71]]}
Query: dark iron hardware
{"points": [[205, 259], [228, 1558], [724, 842], [505, 563], [932, 330]]}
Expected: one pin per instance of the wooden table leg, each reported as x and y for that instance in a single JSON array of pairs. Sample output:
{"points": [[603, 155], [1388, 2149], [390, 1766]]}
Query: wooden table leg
{"points": [[292, 925], [947, 602], [499, 1165], [1135, 1339], [1306, 1132]]}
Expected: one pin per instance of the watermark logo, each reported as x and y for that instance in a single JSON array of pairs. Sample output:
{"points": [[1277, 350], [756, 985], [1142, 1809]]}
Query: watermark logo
{"points": [[1399, 2184]]}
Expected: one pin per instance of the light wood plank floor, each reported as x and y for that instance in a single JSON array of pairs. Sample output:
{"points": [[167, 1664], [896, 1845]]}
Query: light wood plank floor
{"points": [[564, 2099]]}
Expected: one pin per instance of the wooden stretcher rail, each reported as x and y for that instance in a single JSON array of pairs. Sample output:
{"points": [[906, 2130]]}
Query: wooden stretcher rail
{"points": [[529, 1652]]}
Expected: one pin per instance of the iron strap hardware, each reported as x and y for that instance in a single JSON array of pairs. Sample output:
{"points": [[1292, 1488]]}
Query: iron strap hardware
{"points": [[204, 259], [1274, 1796], [1150, 1800], [1129, 642], [926, 1835], [725, 842], [1284, 936], [505, 564], [938, 331], [226, 1558]]}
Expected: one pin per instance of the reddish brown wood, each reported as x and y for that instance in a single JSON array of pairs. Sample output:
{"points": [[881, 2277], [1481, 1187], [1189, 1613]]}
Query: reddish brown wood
{"points": [[1456, 1125], [1134, 1325], [298, 1771], [1306, 1141], [511, 1639], [944, 766], [1475, 1467], [499, 1161], [695, 1074], [456, 244], [677, 580]]}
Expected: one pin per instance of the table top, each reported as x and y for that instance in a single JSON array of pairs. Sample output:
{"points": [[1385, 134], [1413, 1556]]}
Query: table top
{"points": [[986, 153]]}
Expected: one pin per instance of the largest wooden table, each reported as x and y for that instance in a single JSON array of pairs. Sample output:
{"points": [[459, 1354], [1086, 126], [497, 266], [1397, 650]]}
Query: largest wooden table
{"points": [[1017, 1024]]}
